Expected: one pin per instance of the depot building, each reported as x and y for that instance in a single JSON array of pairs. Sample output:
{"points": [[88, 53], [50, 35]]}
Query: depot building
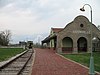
{"points": [[77, 36]]}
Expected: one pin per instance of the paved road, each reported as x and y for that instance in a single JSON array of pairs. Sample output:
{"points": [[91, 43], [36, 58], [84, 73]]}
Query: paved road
{"points": [[49, 63]]}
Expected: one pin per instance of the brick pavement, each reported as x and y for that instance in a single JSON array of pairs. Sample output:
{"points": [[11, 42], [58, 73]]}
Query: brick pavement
{"points": [[48, 63]]}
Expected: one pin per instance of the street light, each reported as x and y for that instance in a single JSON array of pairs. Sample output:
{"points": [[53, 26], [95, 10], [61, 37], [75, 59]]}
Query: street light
{"points": [[91, 69]]}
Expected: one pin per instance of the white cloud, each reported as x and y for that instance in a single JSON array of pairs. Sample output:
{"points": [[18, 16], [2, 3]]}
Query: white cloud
{"points": [[29, 17], [43, 2]]}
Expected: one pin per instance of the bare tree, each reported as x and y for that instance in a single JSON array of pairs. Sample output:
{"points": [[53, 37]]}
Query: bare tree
{"points": [[5, 37], [1, 37]]}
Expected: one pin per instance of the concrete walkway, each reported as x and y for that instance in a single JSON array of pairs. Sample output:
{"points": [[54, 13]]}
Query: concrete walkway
{"points": [[48, 63]]}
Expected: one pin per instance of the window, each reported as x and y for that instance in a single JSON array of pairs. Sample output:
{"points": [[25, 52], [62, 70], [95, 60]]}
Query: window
{"points": [[81, 25]]}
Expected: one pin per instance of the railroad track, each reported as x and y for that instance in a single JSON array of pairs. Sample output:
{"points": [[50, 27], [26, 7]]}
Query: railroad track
{"points": [[18, 65]]}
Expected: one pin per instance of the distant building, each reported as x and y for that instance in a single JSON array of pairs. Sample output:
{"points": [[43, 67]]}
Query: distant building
{"points": [[74, 37], [22, 43]]}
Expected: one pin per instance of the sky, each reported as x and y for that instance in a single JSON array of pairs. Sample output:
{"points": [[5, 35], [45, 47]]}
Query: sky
{"points": [[33, 19]]}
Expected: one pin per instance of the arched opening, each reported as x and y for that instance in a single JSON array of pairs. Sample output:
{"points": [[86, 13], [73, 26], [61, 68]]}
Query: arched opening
{"points": [[67, 44], [82, 44]]}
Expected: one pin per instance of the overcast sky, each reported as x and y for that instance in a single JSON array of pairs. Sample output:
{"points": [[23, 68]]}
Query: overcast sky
{"points": [[33, 19]]}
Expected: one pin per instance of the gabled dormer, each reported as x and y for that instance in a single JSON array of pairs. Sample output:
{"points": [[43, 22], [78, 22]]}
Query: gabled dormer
{"points": [[54, 31]]}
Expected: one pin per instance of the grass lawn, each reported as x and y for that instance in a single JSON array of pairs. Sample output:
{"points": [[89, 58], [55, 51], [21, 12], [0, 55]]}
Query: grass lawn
{"points": [[6, 53], [84, 59]]}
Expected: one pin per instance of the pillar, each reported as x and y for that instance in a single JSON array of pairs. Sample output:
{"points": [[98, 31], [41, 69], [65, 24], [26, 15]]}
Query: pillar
{"points": [[59, 50], [75, 49], [59, 43]]}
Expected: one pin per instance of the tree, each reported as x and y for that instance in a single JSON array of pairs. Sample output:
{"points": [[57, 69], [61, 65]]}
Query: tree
{"points": [[5, 37]]}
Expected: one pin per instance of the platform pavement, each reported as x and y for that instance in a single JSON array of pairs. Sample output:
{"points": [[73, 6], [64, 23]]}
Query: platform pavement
{"points": [[47, 62]]}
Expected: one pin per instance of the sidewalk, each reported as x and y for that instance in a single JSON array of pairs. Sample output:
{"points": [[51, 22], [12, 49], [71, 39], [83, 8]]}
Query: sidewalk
{"points": [[48, 63]]}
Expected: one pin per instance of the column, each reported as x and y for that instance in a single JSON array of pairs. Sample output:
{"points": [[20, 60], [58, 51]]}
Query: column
{"points": [[75, 48], [59, 48]]}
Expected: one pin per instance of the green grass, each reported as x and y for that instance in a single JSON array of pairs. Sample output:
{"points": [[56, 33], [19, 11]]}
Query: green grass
{"points": [[6, 53], [84, 59]]}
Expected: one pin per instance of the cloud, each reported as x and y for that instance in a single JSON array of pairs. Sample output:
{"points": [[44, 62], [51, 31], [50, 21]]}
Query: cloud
{"points": [[43, 2], [3, 3], [29, 17]]}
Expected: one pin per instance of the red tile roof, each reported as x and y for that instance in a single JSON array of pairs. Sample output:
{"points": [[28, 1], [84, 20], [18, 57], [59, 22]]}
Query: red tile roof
{"points": [[56, 30]]}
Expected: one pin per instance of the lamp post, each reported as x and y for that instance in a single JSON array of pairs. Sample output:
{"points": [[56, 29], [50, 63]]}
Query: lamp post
{"points": [[91, 67]]}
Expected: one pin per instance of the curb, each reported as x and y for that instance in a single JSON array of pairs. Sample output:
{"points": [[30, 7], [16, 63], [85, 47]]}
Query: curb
{"points": [[32, 62], [76, 63]]}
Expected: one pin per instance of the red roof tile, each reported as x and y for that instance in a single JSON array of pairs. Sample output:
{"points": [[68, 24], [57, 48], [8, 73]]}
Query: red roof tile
{"points": [[57, 29]]}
